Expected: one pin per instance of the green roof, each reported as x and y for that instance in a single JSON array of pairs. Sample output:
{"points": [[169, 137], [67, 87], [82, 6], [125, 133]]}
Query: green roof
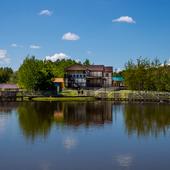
{"points": [[119, 78]]}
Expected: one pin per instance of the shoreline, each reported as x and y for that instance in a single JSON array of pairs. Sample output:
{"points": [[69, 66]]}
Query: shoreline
{"points": [[123, 96], [91, 99]]}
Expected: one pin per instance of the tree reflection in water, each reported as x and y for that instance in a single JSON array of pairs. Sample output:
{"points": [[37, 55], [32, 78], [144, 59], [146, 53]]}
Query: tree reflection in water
{"points": [[37, 118], [147, 119], [6, 109]]}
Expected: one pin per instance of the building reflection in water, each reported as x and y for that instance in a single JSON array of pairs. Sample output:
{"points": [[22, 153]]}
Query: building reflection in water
{"points": [[87, 114], [36, 118]]}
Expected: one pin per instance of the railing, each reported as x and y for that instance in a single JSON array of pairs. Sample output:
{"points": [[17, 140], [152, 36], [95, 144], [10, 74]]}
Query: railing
{"points": [[133, 96]]}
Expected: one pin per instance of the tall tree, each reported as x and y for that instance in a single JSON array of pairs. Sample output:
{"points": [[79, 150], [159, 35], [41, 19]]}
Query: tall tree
{"points": [[86, 62], [34, 75], [5, 74]]}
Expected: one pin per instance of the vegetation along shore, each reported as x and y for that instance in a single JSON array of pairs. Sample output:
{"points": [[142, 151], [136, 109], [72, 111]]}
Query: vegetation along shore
{"points": [[142, 80]]}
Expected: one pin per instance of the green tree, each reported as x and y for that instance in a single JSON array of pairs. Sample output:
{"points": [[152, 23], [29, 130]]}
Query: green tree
{"points": [[86, 62], [5, 74], [146, 75], [34, 75]]}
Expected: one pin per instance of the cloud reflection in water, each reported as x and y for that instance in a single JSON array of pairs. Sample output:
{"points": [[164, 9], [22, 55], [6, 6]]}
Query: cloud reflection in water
{"points": [[124, 160]]}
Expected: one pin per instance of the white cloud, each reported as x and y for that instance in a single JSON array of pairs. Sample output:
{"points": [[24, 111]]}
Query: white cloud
{"points": [[125, 19], [45, 12], [13, 45], [4, 57], [168, 62], [35, 47], [57, 56], [70, 37], [16, 45], [89, 52]]}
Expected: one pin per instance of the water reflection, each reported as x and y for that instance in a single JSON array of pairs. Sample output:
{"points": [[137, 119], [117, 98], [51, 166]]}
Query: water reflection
{"points": [[8, 107], [5, 112], [36, 119], [148, 119], [124, 160], [84, 135]]}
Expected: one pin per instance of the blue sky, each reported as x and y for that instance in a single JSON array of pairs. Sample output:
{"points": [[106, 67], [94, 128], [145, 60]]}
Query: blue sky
{"points": [[107, 32]]}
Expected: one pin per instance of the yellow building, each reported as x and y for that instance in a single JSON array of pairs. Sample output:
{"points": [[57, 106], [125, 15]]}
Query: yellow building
{"points": [[59, 84]]}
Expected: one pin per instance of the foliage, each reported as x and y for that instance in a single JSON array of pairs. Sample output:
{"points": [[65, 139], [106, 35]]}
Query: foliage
{"points": [[87, 62], [33, 74], [147, 75], [36, 74], [5, 74], [57, 68]]}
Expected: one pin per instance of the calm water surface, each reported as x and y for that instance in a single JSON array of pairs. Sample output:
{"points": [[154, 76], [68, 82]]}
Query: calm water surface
{"points": [[84, 136]]}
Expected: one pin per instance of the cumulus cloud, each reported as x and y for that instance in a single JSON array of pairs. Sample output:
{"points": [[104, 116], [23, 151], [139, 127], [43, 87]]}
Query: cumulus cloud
{"points": [[70, 37], [45, 12], [125, 19], [57, 56], [168, 62], [16, 45], [35, 47], [3, 56]]}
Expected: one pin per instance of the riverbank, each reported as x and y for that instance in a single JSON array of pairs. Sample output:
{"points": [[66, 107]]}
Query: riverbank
{"points": [[64, 99], [122, 95], [92, 95]]}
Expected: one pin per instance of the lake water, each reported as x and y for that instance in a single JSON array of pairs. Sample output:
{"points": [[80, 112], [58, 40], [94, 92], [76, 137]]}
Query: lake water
{"points": [[84, 136]]}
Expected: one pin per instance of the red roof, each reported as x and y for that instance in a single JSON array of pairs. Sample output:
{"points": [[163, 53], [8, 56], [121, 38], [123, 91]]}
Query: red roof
{"points": [[76, 67], [8, 86], [95, 67], [108, 69], [80, 67]]}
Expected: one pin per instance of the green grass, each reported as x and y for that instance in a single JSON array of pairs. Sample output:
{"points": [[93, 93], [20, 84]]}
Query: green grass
{"points": [[68, 92], [63, 99]]}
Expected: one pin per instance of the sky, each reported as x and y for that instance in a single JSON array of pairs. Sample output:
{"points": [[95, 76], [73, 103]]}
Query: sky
{"points": [[108, 32]]}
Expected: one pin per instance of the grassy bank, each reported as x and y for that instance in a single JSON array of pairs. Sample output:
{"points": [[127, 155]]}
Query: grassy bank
{"points": [[63, 99]]}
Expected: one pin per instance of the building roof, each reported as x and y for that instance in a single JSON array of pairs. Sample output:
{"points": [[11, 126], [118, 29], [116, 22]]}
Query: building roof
{"points": [[80, 67], [95, 67], [108, 69], [8, 86], [58, 80], [117, 78], [76, 67]]}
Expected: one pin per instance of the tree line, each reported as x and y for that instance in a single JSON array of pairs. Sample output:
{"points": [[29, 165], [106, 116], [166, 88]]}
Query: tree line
{"points": [[5, 74], [36, 74], [147, 75]]}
